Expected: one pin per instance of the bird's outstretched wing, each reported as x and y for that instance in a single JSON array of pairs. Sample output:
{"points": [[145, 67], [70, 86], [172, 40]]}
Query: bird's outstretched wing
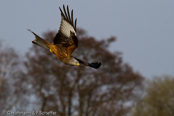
{"points": [[66, 35], [95, 65]]}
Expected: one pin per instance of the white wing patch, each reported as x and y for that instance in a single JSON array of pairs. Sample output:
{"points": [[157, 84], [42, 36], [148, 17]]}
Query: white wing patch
{"points": [[65, 28]]}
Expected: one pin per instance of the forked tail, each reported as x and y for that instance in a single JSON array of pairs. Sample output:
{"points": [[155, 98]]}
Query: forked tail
{"points": [[39, 41]]}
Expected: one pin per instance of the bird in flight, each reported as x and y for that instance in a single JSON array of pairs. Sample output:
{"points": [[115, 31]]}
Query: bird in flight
{"points": [[65, 41]]}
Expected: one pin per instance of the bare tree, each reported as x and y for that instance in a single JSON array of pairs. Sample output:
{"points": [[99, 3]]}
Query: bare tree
{"points": [[82, 91], [8, 68]]}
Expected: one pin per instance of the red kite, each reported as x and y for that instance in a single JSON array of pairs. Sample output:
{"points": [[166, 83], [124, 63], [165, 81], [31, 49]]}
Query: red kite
{"points": [[65, 41]]}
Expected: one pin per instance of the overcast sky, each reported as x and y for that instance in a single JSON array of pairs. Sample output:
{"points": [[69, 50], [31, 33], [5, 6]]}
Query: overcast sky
{"points": [[144, 29]]}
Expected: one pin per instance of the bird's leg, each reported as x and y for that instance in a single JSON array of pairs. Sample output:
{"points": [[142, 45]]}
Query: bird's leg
{"points": [[51, 50]]}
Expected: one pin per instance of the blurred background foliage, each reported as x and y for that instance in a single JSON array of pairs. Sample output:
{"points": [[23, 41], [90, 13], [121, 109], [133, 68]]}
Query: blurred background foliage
{"points": [[38, 81], [158, 99]]}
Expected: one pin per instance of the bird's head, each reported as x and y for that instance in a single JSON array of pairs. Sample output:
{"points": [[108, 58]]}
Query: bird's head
{"points": [[73, 62]]}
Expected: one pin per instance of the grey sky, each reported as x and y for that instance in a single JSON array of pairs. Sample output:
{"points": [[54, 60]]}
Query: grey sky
{"points": [[144, 29]]}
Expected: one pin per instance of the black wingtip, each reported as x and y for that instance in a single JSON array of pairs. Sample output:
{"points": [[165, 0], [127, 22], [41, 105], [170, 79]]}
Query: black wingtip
{"points": [[95, 65], [75, 24]]}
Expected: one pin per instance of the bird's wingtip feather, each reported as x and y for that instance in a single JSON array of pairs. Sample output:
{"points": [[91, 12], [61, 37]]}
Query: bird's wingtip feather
{"points": [[28, 29]]}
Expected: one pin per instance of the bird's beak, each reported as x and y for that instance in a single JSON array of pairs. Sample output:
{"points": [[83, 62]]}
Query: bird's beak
{"points": [[78, 64]]}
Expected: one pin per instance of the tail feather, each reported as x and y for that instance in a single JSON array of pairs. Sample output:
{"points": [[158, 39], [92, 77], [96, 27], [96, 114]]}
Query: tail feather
{"points": [[39, 41]]}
